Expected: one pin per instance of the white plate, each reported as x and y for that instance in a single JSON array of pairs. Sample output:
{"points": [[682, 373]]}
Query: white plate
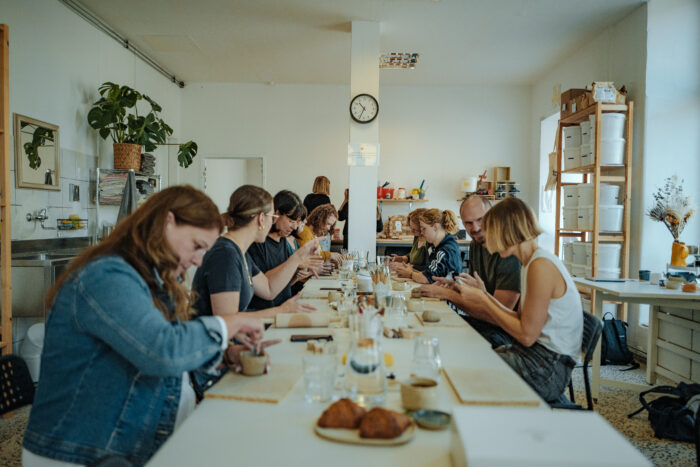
{"points": [[344, 435]]}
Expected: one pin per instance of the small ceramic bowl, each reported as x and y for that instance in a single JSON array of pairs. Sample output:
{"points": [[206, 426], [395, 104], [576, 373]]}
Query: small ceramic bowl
{"points": [[419, 393], [674, 283], [334, 296], [253, 365], [400, 286], [432, 419], [416, 305]]}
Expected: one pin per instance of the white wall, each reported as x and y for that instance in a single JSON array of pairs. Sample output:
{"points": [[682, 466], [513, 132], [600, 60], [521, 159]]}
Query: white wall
{"points": [[57, 61], [672, 126], [438, 133]]}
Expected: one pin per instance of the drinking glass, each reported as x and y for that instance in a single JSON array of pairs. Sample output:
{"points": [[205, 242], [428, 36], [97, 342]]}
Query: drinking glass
{"points": [[319, 376], [395, 311], [365, 373], [426, 361]]}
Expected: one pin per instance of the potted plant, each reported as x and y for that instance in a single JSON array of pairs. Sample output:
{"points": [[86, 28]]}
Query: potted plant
{"points": [[116, 115], [674, 209]]}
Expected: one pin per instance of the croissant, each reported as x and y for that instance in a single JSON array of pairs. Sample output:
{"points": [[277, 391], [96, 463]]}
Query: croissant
{"points": [[383, 423], [342, 414]]}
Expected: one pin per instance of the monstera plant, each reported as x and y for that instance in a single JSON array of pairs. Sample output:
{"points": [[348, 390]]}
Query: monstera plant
{"points": [[41, 137], [116, 115]]}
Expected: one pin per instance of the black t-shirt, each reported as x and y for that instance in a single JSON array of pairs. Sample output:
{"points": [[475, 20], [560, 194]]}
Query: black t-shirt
{"points": [[223, 270], [445, 259], [268, 255], [496, 272], [314, 200]]}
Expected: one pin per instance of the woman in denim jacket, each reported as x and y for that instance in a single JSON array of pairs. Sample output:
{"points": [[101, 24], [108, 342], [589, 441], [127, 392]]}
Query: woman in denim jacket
{"points": [[119, 338]]}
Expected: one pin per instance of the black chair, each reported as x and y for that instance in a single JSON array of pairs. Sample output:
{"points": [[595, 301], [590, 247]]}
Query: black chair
{"points": [[16, 385], [592, 329]]}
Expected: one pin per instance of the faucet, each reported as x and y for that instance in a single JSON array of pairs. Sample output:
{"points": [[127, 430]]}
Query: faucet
{"points": [[41, 217]]}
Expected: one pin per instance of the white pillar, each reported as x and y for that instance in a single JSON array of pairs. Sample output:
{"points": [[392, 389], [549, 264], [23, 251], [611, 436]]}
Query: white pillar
{"points": [[364, 79]]}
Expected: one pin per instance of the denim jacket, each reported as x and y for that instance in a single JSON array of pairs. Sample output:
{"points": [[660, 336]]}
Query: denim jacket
{"points": [[111, 367]]}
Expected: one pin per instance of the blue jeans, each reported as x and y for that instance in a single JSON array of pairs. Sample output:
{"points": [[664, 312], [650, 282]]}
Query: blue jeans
{"points": [[547, 372]]}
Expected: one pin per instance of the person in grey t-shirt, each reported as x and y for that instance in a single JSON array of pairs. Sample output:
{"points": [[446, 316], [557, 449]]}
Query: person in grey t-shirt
{"points": [[228, 277], [500, 276]]}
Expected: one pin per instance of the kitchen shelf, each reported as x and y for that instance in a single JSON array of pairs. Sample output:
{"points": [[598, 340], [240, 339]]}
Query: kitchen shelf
{"points": [[402, 200]]}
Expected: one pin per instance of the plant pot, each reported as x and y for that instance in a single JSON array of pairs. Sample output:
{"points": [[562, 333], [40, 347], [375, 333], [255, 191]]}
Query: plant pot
{"points": [[679, 252], [127, 156]]}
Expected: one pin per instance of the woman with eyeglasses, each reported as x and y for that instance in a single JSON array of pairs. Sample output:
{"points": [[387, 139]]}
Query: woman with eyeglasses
{"points": [[270, 255], [228, 277]]}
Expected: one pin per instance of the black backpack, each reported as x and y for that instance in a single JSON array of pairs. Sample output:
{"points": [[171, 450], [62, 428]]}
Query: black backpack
{"points": [[614, 350], [672, 416]]}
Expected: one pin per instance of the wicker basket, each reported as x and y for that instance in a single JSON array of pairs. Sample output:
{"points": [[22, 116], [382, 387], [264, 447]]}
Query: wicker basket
{"points": [[127, 156]]}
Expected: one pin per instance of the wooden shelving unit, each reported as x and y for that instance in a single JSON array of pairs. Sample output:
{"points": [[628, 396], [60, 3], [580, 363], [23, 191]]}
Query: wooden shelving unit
{"points": [[5, 208], [597, 174]]}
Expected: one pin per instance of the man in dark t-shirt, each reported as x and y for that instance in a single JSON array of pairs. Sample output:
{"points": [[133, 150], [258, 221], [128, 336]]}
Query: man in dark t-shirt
{"points": [[501, 276]]}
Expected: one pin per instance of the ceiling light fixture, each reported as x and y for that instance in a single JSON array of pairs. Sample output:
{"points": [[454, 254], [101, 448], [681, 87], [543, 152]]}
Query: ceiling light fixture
{"points": [[405, 60]]}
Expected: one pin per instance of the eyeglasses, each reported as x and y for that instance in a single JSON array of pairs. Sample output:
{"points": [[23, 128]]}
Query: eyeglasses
{"points": [[274, 216]]}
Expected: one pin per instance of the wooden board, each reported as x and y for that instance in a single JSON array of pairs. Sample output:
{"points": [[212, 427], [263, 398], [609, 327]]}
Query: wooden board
{"points": [[490, 386], [271, 387], [344, 435]]}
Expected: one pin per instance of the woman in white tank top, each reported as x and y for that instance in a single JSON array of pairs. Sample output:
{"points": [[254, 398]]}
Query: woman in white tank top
{"points": [[548, 327]]}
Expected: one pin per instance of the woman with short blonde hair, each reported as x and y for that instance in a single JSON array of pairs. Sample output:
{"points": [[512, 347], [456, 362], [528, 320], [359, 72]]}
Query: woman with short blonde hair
{"points": [[445, 259], [548, 327]]}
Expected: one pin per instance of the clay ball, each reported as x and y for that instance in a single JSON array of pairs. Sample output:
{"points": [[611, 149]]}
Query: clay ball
{"points": [[431, 316]]}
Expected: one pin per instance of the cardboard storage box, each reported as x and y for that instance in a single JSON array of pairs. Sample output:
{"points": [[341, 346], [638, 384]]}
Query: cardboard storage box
{"points": [[568, 101]]}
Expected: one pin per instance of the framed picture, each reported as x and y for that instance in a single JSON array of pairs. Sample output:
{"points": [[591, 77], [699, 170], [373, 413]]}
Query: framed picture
{"points": [[37, 154]]}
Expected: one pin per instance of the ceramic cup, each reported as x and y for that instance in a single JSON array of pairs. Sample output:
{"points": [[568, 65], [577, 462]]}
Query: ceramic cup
{"points": [[253, 365], [644, 275], [654, 278], [419, 393], [334, 296], [415, 305]]}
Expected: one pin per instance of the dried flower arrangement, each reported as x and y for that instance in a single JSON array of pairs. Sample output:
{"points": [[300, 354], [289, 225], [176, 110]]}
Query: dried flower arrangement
{"points": [[672, 207]]}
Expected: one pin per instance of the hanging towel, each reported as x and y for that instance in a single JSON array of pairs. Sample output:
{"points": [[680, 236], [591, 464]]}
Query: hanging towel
{"points": [[128, 204]]}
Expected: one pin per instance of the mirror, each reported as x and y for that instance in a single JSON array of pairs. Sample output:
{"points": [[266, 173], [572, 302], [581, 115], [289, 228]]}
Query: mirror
{"points": [[37, 154]]}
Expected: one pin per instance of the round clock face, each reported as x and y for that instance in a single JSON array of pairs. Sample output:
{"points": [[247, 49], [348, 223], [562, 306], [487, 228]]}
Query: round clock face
{"points": [[364, 108]]}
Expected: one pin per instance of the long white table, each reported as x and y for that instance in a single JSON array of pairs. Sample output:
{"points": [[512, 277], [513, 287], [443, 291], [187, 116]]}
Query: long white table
{"points": [[633, 291], [229, 432]]}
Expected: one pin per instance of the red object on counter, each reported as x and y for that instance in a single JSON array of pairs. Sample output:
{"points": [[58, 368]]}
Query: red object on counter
{"points": [[380, 192]]}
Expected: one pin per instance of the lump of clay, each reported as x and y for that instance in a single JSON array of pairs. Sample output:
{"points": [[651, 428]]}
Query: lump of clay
{"points": [[431, 316]]}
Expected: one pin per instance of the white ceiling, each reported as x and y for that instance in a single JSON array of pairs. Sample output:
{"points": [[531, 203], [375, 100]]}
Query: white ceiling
{"points": [[460, 42]]}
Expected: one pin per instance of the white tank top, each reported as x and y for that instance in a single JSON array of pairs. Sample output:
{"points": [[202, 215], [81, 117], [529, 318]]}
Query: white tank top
{"points": [[563, 331]]}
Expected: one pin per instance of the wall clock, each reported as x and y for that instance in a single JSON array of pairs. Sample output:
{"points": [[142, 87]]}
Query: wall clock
{"points": [[364, 108]]}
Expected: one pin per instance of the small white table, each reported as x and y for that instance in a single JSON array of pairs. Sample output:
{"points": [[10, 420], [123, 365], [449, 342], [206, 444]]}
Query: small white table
{"points": [[633, 291]]}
